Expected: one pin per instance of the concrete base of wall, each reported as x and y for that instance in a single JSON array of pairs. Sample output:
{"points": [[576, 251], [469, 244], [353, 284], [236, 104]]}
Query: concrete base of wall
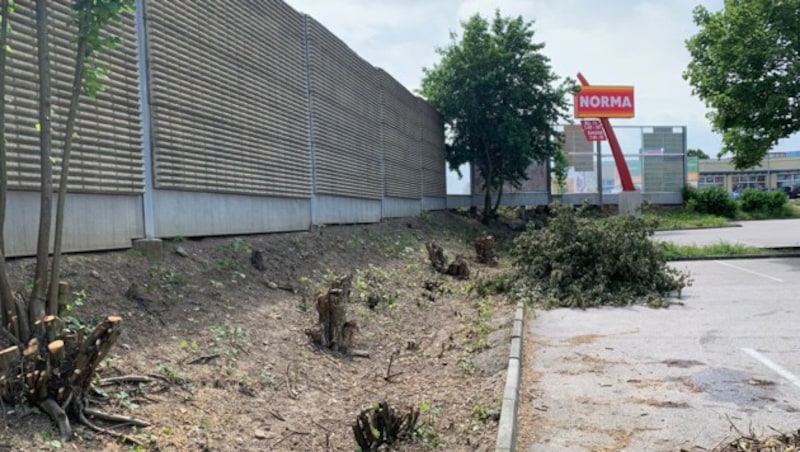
{"points": [[153, 249], [342, 210], [91, 222], [180, 213], [429, 203], [401, 207], [630, 203], [515, 199], [459, 201]]}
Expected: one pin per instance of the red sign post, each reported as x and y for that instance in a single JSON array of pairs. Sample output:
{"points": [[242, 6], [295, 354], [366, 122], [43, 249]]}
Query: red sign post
{"points": [[611, 107]]}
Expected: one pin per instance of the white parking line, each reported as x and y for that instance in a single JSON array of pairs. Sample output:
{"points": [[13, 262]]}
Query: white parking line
{"points": [[772, 365], [749, 271]]}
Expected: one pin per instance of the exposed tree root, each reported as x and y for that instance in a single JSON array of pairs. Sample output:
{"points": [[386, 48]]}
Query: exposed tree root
{"points": [[59, 416], [116, 418], [126, 379], [128, 439]]}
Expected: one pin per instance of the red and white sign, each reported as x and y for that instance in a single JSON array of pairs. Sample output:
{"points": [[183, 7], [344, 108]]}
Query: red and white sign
{"points": [[593, 130], [604, 102]]}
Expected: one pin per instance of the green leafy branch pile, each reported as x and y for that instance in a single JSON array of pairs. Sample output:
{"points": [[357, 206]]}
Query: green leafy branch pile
{"points": [[580, 262]]}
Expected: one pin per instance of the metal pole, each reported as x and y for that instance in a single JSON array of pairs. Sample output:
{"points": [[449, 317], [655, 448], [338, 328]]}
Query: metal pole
{"points": [[311, 146], [147, 126], [686, 159], [600, 173]]}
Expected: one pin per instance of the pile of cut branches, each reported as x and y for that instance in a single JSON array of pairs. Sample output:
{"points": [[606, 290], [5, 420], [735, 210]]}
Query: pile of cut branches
{"points": [[582, 262], [781, 442]]}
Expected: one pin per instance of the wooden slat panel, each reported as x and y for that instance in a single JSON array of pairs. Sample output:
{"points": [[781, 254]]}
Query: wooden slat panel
{"points": [[345, 101], [401, 139], [230, 115], [434, 180], [107, 153]]}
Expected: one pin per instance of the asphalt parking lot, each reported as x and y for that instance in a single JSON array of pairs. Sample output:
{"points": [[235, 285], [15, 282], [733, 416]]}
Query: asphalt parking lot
{"points": [[670, 379]]}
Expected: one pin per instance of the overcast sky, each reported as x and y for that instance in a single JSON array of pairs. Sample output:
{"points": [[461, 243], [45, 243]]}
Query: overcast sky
{"points": [[624, 42]]}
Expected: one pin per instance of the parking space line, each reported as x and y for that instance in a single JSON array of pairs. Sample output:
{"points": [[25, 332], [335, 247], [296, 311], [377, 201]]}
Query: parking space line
{"points": [[772, 365], [749, 271]]}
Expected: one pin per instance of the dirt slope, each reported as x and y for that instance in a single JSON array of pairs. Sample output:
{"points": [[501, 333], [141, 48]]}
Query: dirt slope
{"points": [[259, 384]]}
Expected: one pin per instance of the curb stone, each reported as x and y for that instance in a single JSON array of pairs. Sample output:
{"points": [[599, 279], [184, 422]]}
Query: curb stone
{"points": [[507, 427]]}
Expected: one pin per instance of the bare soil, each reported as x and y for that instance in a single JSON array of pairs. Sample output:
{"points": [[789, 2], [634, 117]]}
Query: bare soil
{"points": [[233, 367]]}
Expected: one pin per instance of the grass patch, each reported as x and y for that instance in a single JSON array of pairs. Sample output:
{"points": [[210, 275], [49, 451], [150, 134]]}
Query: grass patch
{"points": [[673, 251], [789, 210], [666, 220]]}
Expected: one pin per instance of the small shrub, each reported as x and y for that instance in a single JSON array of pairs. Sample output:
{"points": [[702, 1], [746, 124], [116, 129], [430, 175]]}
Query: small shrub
{"points": [[581, 262], [689, 193], [713, 200], [764, 202]]}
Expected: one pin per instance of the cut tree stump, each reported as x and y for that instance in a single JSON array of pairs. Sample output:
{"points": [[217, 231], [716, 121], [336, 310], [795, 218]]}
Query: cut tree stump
{"points": [[381, 425], [334, 331], [458, 268], [486, 250], [257, 260], [55, 370]]}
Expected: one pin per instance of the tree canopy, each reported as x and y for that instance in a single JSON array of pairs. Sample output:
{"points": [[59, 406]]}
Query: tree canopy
{"points": [[697, 153], [499, 99], [745, 65]]}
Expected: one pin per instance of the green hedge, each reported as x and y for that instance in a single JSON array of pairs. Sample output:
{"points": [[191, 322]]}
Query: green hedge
{"points": [[770, 202], [711, 200]]}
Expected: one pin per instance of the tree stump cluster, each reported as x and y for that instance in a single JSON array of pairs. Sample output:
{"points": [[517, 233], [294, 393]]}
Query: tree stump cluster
{"points": [[382, 425], [458, 268], [485, 249], [55, 368], [334, 331]]}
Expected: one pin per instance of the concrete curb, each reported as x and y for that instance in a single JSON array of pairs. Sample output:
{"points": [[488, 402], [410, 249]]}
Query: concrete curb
{"points": [[507, 427], [735, 257]]}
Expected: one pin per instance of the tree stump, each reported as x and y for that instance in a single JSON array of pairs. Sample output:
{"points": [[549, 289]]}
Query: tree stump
{"points": [[436, 256], [334, 331], [257, 260], [55, 370], [485, 248], [382, 425], [457, 268]]}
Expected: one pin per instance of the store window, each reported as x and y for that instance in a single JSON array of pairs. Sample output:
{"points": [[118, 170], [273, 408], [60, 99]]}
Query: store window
{"points": [[710, 180], [788, 180], [743, 181]]}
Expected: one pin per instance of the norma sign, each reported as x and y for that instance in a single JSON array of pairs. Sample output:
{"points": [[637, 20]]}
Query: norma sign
{"points": [[593, 130], [604, 102]]}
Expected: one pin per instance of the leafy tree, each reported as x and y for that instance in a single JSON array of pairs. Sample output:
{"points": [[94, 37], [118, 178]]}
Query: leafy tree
{"points": [[560, 170], [63, 362], [697, 153], [500, 101], [745, 64]]}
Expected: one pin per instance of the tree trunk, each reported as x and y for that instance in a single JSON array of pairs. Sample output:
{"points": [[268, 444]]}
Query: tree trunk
{"points": [[487, 203], [77, 84], [497, 201], [37, 307]]}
